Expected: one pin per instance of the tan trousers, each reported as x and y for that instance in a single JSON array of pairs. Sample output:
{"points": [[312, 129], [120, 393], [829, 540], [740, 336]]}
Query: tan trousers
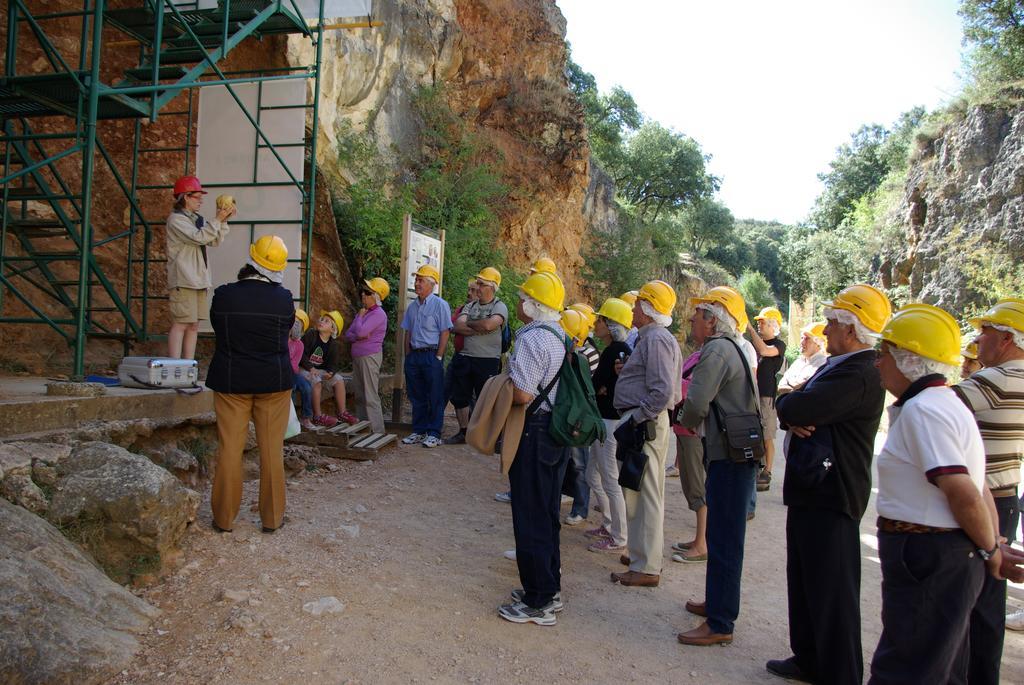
{"points": [[269, 414], [366, 388], [645, 510]]}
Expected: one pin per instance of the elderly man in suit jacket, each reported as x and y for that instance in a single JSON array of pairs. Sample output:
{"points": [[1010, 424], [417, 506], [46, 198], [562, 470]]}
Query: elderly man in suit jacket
{"points": [[832, 422]]}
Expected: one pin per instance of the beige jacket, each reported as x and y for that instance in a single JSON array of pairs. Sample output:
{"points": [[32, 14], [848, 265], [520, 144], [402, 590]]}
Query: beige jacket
{"points": [[186, 267], [495, 416]]}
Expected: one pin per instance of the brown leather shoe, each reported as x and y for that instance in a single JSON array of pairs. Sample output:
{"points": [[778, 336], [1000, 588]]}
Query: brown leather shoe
{"points": [[697, 608], [702, 636], [624, 559], [636, 579]]}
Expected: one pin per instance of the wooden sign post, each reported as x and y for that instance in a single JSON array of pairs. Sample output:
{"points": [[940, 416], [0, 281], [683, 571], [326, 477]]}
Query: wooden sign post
{"points": [[420, 245]]}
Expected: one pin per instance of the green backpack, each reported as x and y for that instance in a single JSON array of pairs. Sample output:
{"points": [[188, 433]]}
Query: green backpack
{"points": [[575, 418]]}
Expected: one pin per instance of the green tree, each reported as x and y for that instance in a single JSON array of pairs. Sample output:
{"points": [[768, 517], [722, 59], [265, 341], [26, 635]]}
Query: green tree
{"points": [[707, 224], [661, 170], [994, 33], [458, 189], [609, 117], [857, 169], [756, 291]]}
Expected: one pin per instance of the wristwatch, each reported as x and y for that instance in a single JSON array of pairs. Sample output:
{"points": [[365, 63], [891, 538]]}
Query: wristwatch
{"points": [[986, 555]]}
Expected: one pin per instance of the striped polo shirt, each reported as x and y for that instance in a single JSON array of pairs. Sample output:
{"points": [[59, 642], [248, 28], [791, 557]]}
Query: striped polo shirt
{"points": [[996, 396]]}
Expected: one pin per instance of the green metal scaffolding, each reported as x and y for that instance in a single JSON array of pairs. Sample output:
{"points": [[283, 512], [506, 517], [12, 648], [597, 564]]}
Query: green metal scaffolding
{"points": [[180, 49]]}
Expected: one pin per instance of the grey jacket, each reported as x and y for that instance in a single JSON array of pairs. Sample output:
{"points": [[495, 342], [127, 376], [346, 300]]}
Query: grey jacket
{"points": [[718, 376]]}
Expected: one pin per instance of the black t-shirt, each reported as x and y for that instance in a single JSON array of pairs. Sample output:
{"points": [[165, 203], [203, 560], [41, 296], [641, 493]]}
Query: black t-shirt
{"points": [[605, 377], [768, 369]]}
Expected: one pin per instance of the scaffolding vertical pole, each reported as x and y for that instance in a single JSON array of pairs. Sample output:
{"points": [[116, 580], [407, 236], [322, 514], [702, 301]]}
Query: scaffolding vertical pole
{"points": [[88, 163], [312, 157]]}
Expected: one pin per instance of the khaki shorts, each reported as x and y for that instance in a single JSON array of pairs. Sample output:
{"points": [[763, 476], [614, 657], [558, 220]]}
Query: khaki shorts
{"points": [[188, 305], [769, 419]]}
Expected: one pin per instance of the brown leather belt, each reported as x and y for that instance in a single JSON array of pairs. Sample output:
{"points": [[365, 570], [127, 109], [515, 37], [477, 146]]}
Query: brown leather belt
{"points": [[890, 526]]}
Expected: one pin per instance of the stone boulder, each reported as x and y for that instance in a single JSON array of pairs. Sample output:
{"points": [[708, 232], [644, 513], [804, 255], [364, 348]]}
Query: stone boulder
{"points": [[127, 511], [182, 464], [61, 619], [28, 473]]}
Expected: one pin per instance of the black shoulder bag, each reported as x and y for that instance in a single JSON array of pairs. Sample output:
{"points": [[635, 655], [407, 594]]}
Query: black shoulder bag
{"points": [[743, 432]]}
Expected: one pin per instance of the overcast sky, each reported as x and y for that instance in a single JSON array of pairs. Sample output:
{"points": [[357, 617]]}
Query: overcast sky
{"points": [[770, 89]]}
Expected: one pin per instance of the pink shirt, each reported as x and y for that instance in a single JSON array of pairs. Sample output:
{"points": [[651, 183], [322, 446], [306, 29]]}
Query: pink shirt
{"points": [[372, 323], [295, 353], [690, 362]]}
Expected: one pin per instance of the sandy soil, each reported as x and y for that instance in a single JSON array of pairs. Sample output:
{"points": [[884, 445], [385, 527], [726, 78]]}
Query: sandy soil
{"points": [[412, 545]]}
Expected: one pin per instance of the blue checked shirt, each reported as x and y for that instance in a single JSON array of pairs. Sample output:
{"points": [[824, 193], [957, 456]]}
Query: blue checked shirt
{"points": [[536, 359]]}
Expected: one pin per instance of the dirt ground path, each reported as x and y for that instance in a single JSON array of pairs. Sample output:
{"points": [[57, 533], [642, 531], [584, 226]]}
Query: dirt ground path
{"points": [[412, 546]]}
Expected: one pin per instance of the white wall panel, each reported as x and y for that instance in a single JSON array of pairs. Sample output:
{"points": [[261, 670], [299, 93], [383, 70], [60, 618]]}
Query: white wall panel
{"points": [[227, 154]]}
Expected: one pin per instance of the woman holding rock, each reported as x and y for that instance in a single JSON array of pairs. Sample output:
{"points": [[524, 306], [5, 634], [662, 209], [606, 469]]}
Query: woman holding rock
{"points": [[188, 272], [251, 376]]}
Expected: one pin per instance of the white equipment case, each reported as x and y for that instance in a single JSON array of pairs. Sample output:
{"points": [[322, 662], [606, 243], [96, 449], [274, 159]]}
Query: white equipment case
{"points": [[158, 372]]}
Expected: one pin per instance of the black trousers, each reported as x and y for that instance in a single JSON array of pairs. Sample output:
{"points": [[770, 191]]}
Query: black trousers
{"points": [[823, 579], [988, 619], [536, 481], [468, 377], [930, 581]]}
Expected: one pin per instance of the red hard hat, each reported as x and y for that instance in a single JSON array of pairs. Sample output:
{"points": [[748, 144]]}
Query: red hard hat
{"points": [[188, 184]]}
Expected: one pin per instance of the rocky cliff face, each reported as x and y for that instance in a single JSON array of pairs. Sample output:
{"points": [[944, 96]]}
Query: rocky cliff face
{"points": [[502, 64], [963, 212]]}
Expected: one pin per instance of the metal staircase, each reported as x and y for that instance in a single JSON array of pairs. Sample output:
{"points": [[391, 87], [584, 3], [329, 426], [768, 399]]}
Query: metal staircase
{"points": [[50, 243]]}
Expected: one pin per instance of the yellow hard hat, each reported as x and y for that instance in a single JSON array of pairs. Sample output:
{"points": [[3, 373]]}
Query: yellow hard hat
{"points": [[489, 273], [302, 316], [575, 324], [544, 265], [971, 351], [617, 310], [1008, 311], [427, 271], [546, 288], [925, 330], [731, 300], [770, 313], [270, 252], [379, 286], [866, 302], [629, 297], [587, 311], [815, 329], [339, 320], [660, 294]]}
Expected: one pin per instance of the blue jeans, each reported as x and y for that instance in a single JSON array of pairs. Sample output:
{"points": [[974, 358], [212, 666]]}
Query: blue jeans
{"points": [[728, 493], [580, 491], [536, 478], [305, 391], [424, 382]]}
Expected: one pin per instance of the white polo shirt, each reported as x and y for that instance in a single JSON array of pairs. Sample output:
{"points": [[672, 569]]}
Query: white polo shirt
{"points": [[932, 434]]}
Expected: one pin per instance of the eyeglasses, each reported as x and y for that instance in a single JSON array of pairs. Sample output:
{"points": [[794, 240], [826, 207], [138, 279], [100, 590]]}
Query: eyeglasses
{"points": [[366, 293], [194, 195]]}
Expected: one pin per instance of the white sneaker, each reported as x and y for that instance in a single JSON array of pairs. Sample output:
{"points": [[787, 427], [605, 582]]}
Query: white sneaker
{"points": [[566, 500], [431, 441], [503, 496], [573, 519], [671, 472], [413, 438], [517, 612], [1015, 621], [509, 554]]}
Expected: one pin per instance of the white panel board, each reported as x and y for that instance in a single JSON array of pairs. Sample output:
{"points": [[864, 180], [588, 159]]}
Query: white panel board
{"points": [[310, 8], [334, 9], [227, 156]]}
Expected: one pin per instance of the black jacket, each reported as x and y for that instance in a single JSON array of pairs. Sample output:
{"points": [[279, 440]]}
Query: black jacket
{"points": [[847, 401], [251, 319]]}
